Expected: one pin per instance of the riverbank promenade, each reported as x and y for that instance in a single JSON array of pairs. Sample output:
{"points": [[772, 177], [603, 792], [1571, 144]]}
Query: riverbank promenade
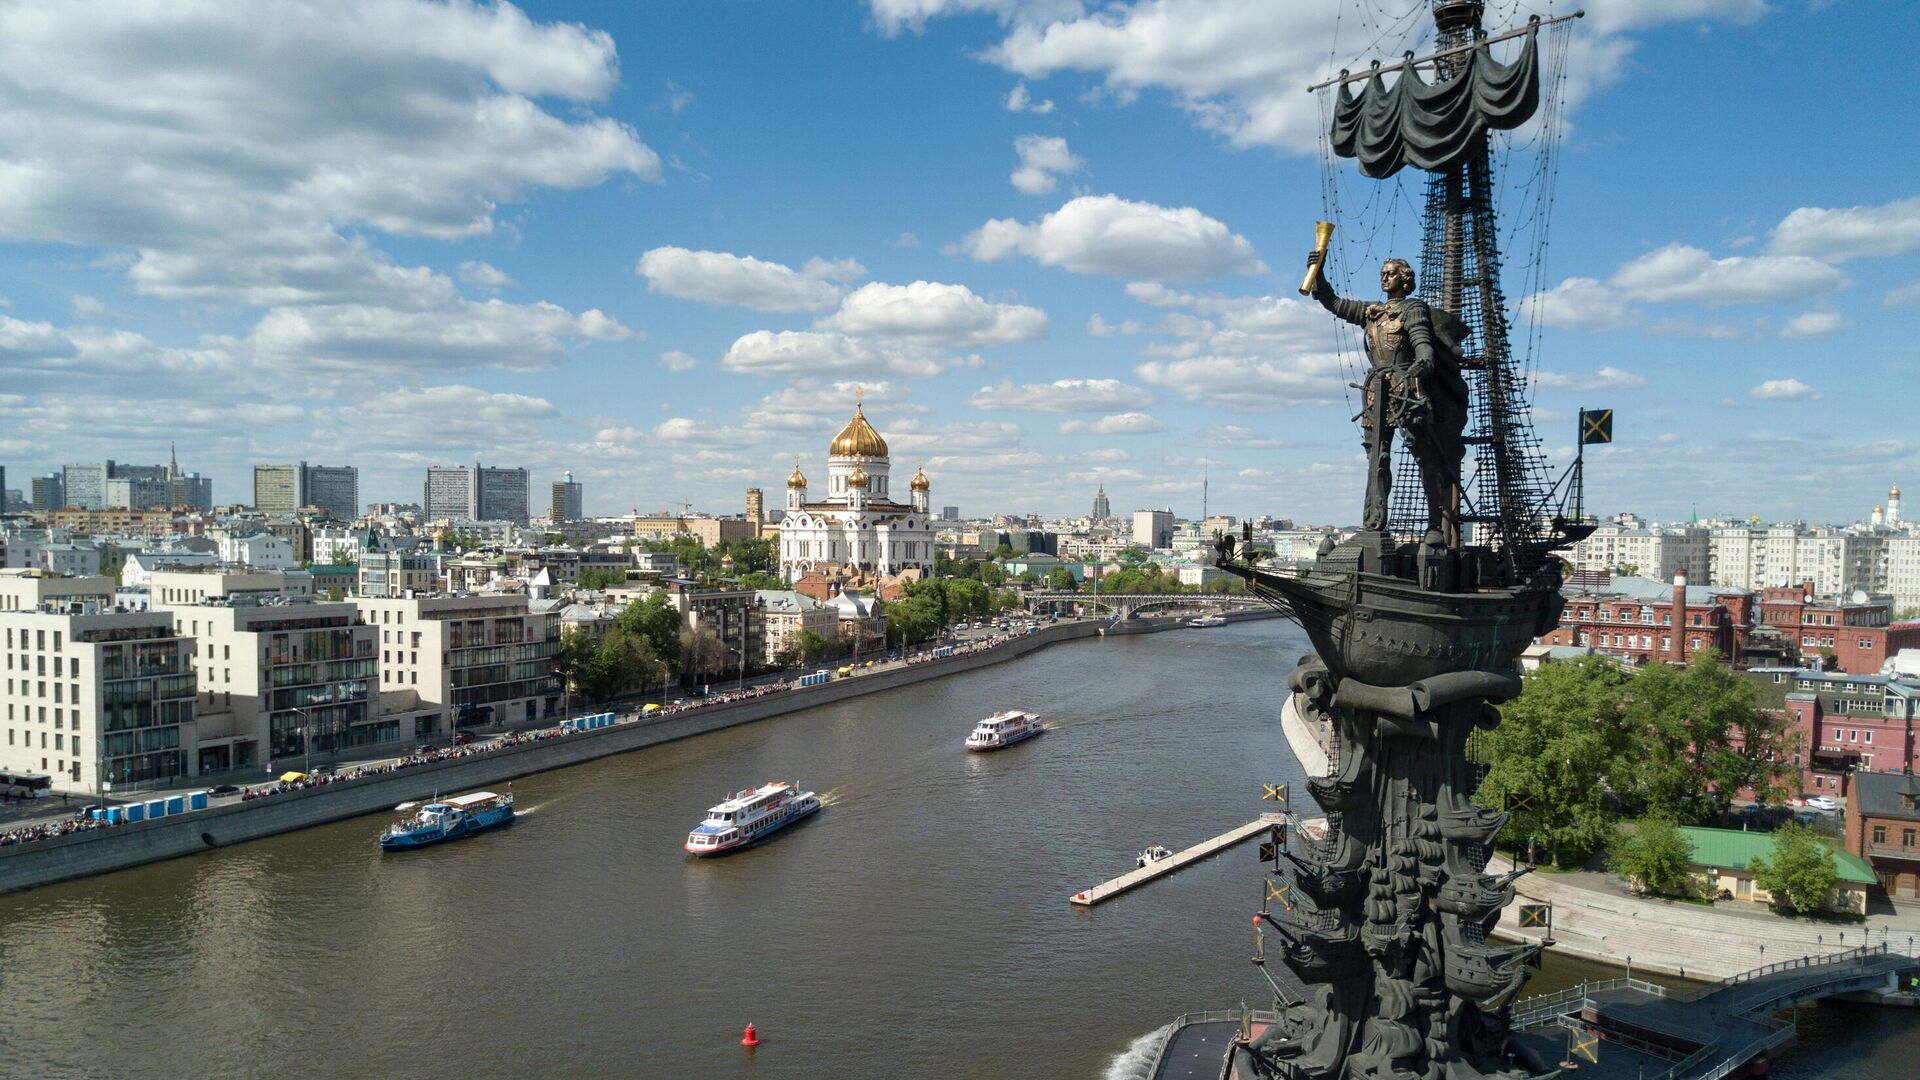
{"points": [[65, 847]]}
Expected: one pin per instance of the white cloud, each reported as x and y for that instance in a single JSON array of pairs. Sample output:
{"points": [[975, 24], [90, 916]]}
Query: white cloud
{"points": [[1607, 378], [1105, 234], [1061, 396], [1247, 383], [1813, 324], [1099, 327], [804, 352], [1238, 67], [452, 418], [1854, 232], [460, 335], [1042, 157], [1580, 303], [228, 145], [1126, 423], [484, 275], [89, 307], [1678, 273], [1019, 99], [1907, 295], [906, 240], [719, 277], [678, 97], [936, 313], [1784, 390], [676, 361]]}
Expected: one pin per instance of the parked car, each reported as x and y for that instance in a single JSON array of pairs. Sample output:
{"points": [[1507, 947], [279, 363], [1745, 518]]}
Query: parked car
{"points": [[1823, 802], [224, 789], [462, 738]]}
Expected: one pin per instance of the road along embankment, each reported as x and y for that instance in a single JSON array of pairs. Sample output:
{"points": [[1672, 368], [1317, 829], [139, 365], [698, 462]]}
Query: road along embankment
{"points": [[25, 866]]}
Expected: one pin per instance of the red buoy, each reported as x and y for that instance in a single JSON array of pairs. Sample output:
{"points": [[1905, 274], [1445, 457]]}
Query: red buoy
{"points": [[750, 1038]]}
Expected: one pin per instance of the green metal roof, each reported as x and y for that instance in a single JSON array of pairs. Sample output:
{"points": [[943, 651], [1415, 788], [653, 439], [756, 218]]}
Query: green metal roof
{"points": [[336, 569], [1736, 850]]}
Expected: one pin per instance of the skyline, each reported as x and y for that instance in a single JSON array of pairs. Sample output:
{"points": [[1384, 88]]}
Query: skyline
{"points": [[568, 238]]}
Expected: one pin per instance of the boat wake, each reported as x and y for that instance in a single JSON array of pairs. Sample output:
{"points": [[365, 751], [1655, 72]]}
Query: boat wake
{"points": [[1133, 1062], [832, 798], [406, 806]]}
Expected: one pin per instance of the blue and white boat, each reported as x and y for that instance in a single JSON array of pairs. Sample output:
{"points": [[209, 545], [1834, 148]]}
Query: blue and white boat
{"points": [[449, 819], [751, 816], [1003, 729]]}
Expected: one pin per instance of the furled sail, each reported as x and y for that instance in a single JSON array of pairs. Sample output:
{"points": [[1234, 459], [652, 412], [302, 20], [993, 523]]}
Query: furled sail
{"points": [[1434, 126]]}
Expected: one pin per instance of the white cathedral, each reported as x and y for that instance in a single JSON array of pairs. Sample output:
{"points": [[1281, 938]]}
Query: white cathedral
{"points": [[857, 526]]}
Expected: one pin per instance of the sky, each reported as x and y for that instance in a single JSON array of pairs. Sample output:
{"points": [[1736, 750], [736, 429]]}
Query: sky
{"points": [[1054, 244]]}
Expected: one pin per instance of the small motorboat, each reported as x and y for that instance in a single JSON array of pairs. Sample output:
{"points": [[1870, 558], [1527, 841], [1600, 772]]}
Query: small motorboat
{"points": [[1150, 856]]}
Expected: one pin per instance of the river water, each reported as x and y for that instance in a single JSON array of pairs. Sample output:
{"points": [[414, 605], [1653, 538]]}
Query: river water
{"points": [[918, 927]]}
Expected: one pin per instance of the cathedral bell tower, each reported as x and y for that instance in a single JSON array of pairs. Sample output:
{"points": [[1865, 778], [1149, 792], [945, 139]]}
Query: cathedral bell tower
{"points": [[796, 488], [920, 486]]}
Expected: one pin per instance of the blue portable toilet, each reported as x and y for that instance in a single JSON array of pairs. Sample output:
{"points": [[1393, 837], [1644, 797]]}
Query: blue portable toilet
{"points": [[135, 812], [176, 804], [156, 808], [196, 800], [97, 813]]}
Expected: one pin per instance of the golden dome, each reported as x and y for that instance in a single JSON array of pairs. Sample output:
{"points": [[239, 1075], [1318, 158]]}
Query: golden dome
{"points": [[920, 482], [858, 439], [1895, 493], [797, 479], [858, 477]]}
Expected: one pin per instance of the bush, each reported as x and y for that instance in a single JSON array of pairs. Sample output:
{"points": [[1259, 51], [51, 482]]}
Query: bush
{"points": [[1800, 873]]}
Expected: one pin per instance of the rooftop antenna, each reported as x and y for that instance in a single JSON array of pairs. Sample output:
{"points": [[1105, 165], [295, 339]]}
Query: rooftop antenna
{"points": [[1205, 482]]}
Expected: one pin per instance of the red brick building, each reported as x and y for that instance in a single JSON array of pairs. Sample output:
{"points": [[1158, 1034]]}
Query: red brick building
{"points": [[1883, 827], [1857, 632], [1638, 620], [1843, 725]]}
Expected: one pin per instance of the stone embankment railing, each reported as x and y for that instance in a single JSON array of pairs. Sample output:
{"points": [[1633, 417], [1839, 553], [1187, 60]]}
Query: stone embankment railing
{"points": [[80, 854]]}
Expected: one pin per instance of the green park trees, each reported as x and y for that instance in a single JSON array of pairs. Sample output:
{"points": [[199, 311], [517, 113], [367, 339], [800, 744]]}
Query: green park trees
{"points": [[1588, 742], [1553, 757], [1800, 872], [1061, 579]]}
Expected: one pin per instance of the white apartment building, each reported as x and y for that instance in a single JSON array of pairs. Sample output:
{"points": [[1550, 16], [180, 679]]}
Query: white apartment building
{"points": [[1903, 571], [1656, 552], [1152, 528], [474, 660], [93, 696], [1837, 561], [260, 551], [276, 674]]}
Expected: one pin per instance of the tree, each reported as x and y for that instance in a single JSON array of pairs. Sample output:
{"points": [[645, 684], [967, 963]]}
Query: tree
{"points": [[600, 577], [1061, 579], [1557, 746], [812, 645], [1655, 857], [756, 579], [1006, 600], [703, 653], [657, 621], [1699, 737], [1004, 552], [966, 597], [993, 574], [1800, 873]]}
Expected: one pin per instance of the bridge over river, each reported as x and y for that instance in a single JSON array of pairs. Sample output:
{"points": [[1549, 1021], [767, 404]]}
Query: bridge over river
{"points": [[1636, 1029], [1133, 605]]}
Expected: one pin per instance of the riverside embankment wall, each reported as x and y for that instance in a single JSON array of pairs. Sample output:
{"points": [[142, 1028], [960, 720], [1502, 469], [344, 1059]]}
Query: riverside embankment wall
{"points": [[25, 866]]}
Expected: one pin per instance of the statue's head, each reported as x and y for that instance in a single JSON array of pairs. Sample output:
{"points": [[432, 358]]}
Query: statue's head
{"points": [[1396, 278]]}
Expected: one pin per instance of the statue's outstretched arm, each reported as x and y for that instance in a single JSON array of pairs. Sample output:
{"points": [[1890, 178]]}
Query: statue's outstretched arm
{"points": [[1420, 337], [1352, 311]]}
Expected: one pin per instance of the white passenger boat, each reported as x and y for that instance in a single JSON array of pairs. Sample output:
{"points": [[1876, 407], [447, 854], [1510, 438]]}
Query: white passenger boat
{"points": [[1208, 620], [751, 816], [1003, 729]]}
